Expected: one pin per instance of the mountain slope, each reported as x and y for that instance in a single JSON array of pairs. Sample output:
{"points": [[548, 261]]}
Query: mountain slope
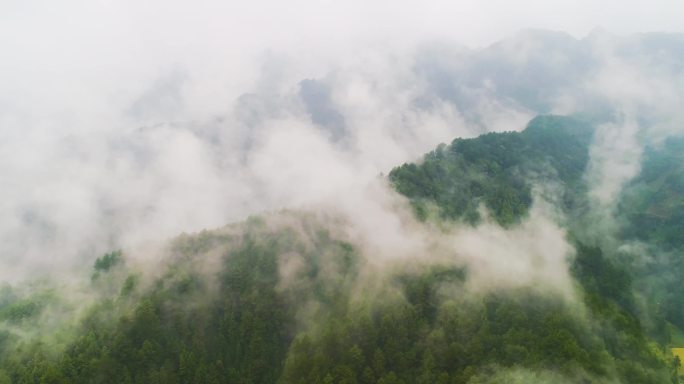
{"points": [[499, 170], [287, 298]]}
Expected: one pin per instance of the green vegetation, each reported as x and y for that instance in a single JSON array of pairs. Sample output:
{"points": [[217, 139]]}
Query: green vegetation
{"points": [[653, 203], [499, 171], [245, 326], [106, 262], [16, 309], [651, 209], [280, 299]]}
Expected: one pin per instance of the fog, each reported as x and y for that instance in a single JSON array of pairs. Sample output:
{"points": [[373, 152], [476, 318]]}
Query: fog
{"points": [[124, 124]]}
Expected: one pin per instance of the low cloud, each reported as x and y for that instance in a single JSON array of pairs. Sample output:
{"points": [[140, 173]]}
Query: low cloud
{"points": [[103, 154]]}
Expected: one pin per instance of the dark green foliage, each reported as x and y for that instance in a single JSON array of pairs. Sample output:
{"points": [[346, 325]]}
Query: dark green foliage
{"points": [[21, 309], [107, 261], [241, 326], [403, 342], [602, 278], [651, 209], [498, 170], [653, 203], [609, 295], [459, 177], [14, 308], [189, 328], [176, 335]]}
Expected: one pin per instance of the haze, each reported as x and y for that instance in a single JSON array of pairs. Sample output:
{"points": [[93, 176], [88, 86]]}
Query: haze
{"points": [[123, 123]]}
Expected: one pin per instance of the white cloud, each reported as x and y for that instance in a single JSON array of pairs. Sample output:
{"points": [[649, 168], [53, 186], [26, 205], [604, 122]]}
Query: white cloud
{"points": [[126, 122]]}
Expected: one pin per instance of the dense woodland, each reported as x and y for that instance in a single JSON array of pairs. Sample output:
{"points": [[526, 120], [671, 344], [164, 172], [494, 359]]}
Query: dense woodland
{"points": [[260, 302]]}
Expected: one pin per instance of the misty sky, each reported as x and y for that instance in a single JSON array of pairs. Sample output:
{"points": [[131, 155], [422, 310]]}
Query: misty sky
{"points": [[123, 121], [273, 23]]}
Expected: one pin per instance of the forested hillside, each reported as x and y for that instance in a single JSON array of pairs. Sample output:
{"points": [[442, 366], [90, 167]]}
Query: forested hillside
{"points": [[499, 171], [285, 298]]}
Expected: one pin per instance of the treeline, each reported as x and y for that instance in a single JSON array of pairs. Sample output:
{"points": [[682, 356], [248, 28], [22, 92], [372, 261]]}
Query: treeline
{"points": [[249, 326]]}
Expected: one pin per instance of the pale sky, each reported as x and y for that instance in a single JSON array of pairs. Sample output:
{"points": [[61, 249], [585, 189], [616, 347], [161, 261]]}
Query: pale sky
{"points": [[109, 44], [268, 23]]}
